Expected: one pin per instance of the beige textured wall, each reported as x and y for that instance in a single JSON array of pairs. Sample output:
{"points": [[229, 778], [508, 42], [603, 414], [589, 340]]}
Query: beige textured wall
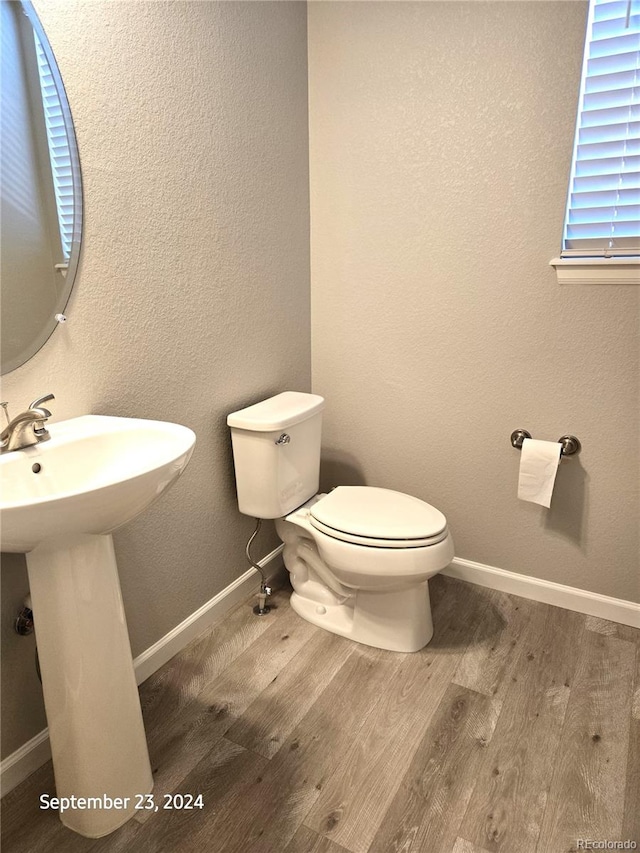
{"points": [[440, 137], [192, 298]]}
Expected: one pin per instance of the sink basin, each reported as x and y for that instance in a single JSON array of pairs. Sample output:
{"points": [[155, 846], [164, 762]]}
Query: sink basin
{"points": [[94, 474], [60, 501]]}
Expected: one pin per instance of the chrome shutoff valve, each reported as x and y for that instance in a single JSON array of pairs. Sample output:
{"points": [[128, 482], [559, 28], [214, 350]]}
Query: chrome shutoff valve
{"points": [[262, 608], [24, 620]]}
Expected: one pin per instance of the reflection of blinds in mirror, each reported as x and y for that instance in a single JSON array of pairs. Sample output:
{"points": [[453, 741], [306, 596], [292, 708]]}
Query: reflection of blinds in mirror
{"points": [[603, 209], [58, 149]]}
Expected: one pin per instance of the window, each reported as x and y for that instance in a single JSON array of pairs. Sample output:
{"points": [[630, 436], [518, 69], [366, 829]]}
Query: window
{"points": [[59, 153], [601, 239]]}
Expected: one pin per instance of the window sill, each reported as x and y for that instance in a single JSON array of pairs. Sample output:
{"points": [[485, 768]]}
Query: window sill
{"points": [[597, 270]]}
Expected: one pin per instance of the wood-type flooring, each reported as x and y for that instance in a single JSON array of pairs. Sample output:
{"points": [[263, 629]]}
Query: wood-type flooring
{"points": [[516, 730]]}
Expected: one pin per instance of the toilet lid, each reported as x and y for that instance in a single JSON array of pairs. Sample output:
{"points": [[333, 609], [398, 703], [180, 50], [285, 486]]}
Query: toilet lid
{"points": [[378, 514]]}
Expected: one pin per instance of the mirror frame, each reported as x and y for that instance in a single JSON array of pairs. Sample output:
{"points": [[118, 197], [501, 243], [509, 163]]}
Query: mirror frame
{"points": [[48, 329]]}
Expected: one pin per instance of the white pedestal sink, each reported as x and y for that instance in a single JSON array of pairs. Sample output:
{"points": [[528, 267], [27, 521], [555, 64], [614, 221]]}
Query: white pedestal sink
{"points": [[60, 501]]}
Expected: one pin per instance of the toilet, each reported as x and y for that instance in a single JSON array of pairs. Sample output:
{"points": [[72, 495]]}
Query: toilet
{"points": [[359, 557]]}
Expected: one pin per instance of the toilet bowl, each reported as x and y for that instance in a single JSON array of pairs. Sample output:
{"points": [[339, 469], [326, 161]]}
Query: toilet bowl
{"points": [[359, 557], [373, 590]]}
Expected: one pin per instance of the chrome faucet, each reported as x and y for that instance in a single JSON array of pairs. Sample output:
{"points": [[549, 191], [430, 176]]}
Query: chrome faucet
{"points": [[27, 428]]}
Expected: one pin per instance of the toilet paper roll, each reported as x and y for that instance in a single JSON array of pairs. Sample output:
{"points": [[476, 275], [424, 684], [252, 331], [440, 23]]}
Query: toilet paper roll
{"points": [[538, 468]]}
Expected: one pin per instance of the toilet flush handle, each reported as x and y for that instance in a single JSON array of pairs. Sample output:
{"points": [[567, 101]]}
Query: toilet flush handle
{"points": [[284, 439]]}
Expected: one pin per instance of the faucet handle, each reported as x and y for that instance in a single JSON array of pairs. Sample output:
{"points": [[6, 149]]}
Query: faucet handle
{"points": [[5, 406], [39, 400]]}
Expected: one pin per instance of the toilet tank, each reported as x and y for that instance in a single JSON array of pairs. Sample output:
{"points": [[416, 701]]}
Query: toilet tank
{"points": [[276, 453]]}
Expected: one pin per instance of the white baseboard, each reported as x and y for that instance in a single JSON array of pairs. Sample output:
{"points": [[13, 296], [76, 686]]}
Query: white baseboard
{"points": [[569, 597], [24, 761], [37, 751]]}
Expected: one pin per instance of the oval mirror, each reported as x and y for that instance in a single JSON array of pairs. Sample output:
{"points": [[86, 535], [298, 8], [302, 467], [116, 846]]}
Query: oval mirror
{"points": [[41, 216]]}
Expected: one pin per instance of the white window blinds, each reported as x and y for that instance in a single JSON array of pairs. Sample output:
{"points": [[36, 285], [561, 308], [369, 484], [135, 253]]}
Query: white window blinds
{"points": [[603, 208], [58, 149]]}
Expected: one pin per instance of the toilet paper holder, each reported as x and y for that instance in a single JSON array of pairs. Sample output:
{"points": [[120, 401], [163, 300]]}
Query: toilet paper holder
{"points": [[570, 444]]}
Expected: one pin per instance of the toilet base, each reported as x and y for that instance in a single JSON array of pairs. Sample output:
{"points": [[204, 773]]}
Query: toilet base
{"points": [[399, 621]]}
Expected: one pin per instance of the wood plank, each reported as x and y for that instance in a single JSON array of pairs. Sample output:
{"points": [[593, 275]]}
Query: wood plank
{"points": [[123, 840], [505, 812], [270, 719], [178, 745], [491, 655], [587, 795], [175, 685], [635, 707], [464, 846], [295, 776], [432, 797], [631, 818], [451, 630], [260, 664], [438, 586], [227, 776], [613, 629], [355, 799], [27, 828], [307, 841]]}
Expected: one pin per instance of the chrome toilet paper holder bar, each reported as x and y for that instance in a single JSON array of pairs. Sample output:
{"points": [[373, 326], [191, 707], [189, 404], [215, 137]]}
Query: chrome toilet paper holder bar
{"points": [[570, 444]]}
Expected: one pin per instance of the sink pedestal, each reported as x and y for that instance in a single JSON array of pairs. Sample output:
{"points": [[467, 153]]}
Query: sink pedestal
{"points": [[91, 698]]}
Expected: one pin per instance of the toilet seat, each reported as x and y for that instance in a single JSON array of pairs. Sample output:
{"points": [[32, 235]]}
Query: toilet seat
{"points": [[378, 518]]}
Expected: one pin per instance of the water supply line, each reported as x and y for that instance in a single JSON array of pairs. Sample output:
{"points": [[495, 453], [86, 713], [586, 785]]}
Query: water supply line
{"points": [[261, 608]]}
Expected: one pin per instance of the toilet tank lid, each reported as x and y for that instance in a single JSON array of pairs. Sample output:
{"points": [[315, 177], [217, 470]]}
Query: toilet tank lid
{"points": [[283, 410]]}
